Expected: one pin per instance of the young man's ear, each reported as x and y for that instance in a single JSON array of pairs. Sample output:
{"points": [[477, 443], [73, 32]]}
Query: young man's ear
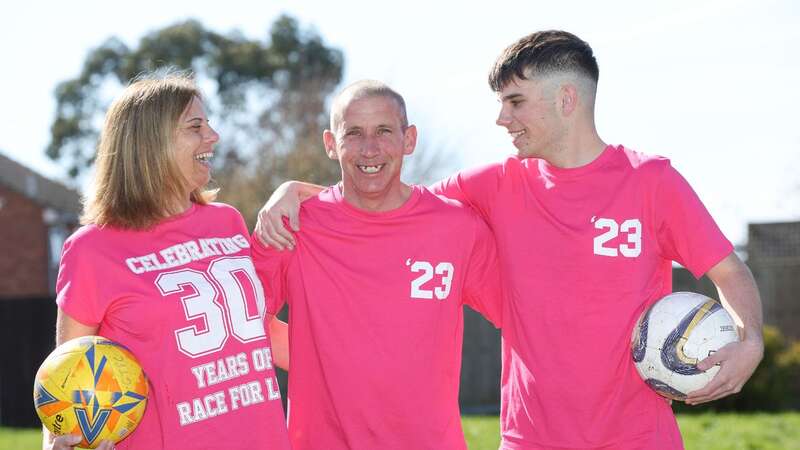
{"points": [[329, 139], [569, 99]]}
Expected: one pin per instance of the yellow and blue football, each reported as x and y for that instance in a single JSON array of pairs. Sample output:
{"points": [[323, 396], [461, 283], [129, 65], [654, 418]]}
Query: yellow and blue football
{"points": [[93, 387]]}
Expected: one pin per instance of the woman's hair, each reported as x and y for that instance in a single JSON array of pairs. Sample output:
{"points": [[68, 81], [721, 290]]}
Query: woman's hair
{"points": [[136, 177]]}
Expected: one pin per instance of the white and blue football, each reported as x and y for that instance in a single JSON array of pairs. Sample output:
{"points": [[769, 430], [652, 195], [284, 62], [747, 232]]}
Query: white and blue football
{"points": [[676, 333]]}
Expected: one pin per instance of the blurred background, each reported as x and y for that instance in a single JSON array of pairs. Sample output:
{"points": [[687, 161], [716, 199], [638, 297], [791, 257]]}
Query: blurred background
{"points": [[710, 84]]}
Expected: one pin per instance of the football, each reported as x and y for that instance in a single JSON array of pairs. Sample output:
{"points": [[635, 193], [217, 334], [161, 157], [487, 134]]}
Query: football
{"points": [[673, 335], [92, 387]]}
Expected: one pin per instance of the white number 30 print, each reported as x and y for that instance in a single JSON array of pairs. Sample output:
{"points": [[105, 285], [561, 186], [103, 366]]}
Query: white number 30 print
{"points": [[632, 229], [445, 269], [204, 303]]}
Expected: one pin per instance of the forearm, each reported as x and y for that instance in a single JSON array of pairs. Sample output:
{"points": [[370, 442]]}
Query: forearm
{"points": [[738, 360], [68, 328], [283, 203], [47, 438], [739, 295], [302, 189]]}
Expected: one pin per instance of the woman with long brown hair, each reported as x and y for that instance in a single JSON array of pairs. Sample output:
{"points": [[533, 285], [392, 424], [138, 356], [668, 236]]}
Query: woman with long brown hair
{"points": [[160, 269]]}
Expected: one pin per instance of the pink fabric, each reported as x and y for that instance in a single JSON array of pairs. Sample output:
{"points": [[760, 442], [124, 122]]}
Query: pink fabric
{"points": [[375, 364], [152, 291], [578, 277]]}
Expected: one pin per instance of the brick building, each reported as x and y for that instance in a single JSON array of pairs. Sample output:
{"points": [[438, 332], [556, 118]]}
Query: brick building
{"points": [[36, 215]]}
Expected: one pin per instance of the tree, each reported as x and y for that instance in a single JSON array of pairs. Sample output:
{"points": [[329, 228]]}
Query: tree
{"points": [[265, 98]]}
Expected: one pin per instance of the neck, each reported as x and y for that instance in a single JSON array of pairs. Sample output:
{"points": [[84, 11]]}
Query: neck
{"points": [[376, 202], [578, 148], [178, 207]]}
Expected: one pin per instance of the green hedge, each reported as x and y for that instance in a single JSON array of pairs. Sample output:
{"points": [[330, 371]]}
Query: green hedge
{"points": [[774, 386]]}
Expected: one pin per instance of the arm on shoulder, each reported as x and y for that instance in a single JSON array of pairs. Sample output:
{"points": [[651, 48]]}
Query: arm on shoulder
{"points": [[284, 202]]}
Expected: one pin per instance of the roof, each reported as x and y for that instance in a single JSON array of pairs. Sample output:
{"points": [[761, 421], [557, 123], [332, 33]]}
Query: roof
{"points": [[41, 190]]}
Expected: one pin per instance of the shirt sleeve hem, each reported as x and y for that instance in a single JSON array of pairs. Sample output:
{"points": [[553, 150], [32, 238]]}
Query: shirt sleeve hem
{"points": [[701, 269], [72, 312]]}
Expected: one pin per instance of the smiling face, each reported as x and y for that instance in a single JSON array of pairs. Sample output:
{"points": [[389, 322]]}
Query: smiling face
{"points": [[530, 114], [194, 141], [369, 141]]}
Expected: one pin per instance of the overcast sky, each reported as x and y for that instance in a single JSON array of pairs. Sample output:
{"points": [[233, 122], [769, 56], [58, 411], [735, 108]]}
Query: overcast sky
{"points": [[713, 85]]}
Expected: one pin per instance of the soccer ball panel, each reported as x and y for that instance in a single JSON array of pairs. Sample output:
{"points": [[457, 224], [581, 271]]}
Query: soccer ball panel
{"points": [[93, 387], [673, 335]]}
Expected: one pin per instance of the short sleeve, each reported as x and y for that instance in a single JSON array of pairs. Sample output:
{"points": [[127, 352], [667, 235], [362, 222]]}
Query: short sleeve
{"points": [[482, 286], [78, 284], [271, 266], [238, 219], [477, 187], [686, 231]]}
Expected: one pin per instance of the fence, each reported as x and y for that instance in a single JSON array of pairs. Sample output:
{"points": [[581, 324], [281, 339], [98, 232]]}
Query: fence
{"points": [[773, 254], [480, 366], [27, 335]]}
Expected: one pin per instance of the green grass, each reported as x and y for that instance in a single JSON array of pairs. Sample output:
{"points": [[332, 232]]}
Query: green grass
{"points": [[707, 431], [700, 432], [482, 432], [20, 439], [730, 431]]}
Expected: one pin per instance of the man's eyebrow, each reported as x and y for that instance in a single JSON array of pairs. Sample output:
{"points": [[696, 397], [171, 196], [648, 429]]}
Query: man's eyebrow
{"points": [[512, 96]]}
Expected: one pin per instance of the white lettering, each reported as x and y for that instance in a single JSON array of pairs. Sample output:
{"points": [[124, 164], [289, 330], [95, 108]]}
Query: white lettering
{"points": [[198, 410], [240, 361], [146, 264], [168, 257], [220, 375], [241, 241], [185, 413], [223, 369], [228, 246], [211, 405], [215, 404], [445, 269], [186, 252], [262, 359], [182, 254], [246, 394], [193, 250], [632, 228], [213, 245], [197, 371], [206, 248], [272, 388], [156, 263], [131, 262]]}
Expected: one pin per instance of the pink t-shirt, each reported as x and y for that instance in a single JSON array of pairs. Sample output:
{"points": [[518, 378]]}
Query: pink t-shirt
{"points": [[376, 319], [584, 251], [185, 299]]}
